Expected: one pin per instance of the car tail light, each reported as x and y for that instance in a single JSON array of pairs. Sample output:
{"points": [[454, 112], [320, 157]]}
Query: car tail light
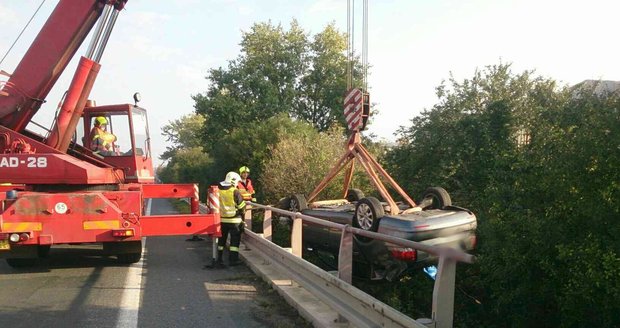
{"points": [[404, 254], [474, 241], [123, 233]]}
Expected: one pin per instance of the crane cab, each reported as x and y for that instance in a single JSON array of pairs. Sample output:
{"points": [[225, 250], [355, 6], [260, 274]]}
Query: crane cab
{"points": [[131, 149]]}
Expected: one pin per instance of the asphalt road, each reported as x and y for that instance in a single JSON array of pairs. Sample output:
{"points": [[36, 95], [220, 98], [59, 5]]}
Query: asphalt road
{"points": [[77, 286]]}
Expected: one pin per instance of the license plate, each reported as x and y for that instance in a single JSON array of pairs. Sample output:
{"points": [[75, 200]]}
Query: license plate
{"points": [[4, 245]]}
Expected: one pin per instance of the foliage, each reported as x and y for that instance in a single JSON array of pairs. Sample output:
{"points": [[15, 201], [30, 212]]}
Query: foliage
{"points": [[186, 161], [251, 146], [538, 165], [278, 72], [182, 133], [188, 165], [299, 161]]}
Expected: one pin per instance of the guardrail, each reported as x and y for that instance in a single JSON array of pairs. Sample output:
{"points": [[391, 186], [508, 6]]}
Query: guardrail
{"points": [[357, 307]]}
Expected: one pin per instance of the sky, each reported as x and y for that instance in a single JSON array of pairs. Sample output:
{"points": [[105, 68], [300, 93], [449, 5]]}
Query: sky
{"points": [[164, 49]]}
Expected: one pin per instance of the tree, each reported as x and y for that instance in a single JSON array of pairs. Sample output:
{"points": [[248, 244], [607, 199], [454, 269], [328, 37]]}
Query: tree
{"points": [[182, 133], [278, 71], [321, 90], [530, 159], [185, 160]]}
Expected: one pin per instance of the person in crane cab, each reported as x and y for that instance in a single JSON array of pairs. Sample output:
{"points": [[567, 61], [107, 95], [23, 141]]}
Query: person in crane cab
{"points": [[232, 208], [100, 139], [245, 185]]}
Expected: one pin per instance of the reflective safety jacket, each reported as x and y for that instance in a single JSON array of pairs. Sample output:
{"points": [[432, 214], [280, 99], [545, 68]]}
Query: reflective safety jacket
{"points": [[247, 189], [101, 140], [232, 205]]}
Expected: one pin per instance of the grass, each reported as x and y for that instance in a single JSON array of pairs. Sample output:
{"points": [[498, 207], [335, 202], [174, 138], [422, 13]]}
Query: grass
{"points": [[180, 205]]}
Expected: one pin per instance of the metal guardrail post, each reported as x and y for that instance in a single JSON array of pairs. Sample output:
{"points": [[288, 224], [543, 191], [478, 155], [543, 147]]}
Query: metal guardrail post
{"points": [[443, 293], [267, 225], [296, 241], [247, 217], [345, 256]]}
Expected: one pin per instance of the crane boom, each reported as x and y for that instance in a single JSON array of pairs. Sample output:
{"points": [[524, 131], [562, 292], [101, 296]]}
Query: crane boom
{"points": [[46, 59]]}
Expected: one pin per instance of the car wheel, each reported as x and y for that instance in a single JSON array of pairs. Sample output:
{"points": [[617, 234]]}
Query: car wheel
{"points": [[353, 195], [368, 211], [435, 198], [297, 203], [283, 204]]}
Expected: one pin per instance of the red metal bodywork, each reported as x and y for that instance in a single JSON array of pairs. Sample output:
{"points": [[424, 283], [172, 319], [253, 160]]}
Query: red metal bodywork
{"points": [[83, 217], [54, 189]]}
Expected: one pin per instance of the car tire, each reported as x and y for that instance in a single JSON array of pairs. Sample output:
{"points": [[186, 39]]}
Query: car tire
{"points": [[354, 195], [435, 198], [283, 204], [368, 212], [297, 203]]}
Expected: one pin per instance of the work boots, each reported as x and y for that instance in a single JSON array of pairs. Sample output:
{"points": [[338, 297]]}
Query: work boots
{"points": [[216, 264], [233, 259]]}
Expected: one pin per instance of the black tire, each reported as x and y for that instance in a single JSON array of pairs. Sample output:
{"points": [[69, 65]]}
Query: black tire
{"points": [[297, 203], [354, 195], [283, 204], [435, 198], [129, 258], [368, 212], [126, 252], [43, 251], [21, 263]]}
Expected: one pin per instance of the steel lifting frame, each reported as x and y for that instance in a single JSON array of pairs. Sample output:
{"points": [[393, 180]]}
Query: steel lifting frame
{"points": [[355, 150]]}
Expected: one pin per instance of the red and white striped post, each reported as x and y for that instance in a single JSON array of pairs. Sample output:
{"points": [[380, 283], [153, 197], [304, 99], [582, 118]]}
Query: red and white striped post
{"points": [[195, 201], [214, 199]]}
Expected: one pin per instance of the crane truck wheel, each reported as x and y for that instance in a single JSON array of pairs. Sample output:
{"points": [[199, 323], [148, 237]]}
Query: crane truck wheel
{"points": [[21, 263], [129, 258], [127, 252], [43, 251]]}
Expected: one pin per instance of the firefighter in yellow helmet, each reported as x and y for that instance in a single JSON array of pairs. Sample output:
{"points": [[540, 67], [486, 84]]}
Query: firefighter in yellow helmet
{"points": [[101, 140], [245, 185], [232, 208]]}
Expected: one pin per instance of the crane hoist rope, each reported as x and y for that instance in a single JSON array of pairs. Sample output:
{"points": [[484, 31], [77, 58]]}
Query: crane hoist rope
{"points": [[351, 45]]}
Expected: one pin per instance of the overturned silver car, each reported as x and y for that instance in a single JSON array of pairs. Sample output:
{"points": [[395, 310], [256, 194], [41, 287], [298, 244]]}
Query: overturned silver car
{"points": [[434, 222]]}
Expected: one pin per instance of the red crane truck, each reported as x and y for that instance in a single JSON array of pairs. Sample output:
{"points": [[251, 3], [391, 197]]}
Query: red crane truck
{"points": [[55, 189]]}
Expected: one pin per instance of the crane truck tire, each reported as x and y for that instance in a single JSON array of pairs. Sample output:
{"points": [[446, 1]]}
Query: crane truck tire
{"points": [[126, 252]]}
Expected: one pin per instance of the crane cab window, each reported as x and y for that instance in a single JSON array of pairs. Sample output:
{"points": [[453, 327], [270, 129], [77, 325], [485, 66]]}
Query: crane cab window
{"points": [[141, 133]]}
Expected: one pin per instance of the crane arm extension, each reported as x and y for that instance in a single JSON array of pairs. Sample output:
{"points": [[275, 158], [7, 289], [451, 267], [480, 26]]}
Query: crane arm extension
{"points": [[46, 59]]}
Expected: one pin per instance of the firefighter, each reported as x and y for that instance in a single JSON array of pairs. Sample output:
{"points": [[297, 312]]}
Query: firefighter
{"points": [[245, 185], [232, 208], [101, 140]]}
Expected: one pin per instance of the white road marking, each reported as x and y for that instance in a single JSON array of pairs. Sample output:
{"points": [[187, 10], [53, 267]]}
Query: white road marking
{"points": [[129, 306]]}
